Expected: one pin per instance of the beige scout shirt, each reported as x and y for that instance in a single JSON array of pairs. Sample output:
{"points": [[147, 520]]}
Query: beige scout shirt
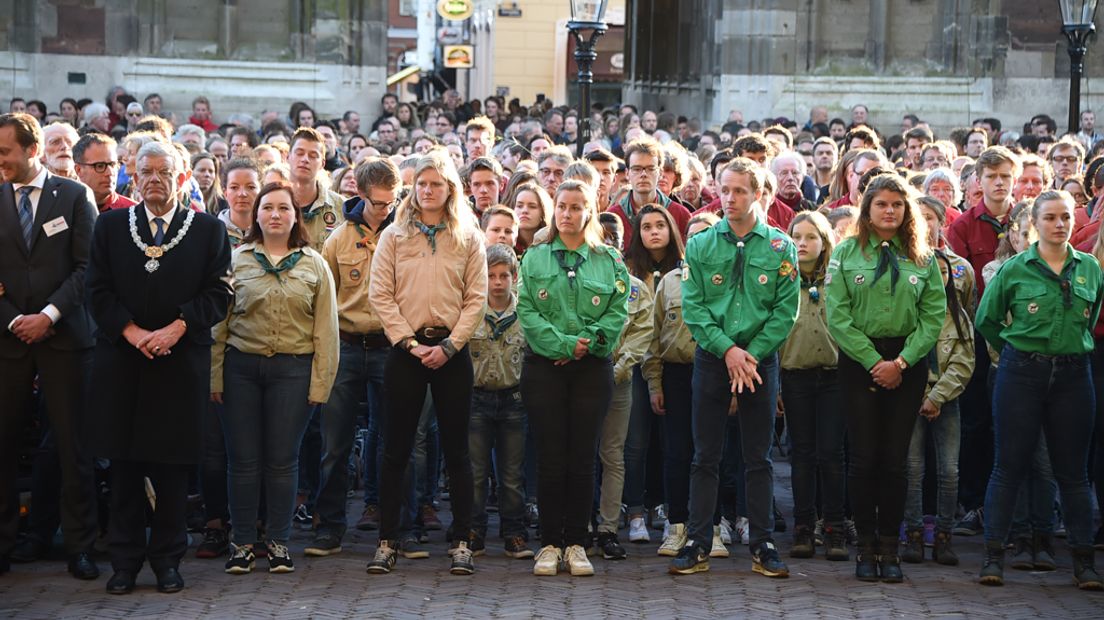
{"points": [[809, 344], [349, 252], [293, 313], [637, 333], [412, 287], [497, 347], [322, 216], [671, 339], [954, 358]]}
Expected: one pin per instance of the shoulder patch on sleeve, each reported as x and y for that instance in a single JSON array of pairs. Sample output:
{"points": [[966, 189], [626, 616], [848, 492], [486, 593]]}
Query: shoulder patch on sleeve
{"points": [[778, 244]]}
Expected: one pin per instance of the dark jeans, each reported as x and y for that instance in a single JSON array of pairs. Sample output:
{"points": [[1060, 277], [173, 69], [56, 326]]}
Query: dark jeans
{"points": [[879, 430], [711, 399], [213, 478], [358, 369], [1055, 395], [566, 407], [945, 434], [817, 429], [975, 456], [265, 414], [1098, 445], [498, 427], [404, 394], [637, 446], [1035, 500], [678, 449]]}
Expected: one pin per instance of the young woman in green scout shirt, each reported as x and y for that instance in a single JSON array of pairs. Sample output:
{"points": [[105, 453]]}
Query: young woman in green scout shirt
{"points": [[885, 307], [1052, 293], [572, 303], [811, 398]]}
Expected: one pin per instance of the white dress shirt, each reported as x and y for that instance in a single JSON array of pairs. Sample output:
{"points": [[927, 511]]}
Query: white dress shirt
{"points": [[36, 195]]}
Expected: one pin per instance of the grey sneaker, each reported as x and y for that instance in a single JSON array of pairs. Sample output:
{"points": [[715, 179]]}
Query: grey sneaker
{"points": [[324, 544]]}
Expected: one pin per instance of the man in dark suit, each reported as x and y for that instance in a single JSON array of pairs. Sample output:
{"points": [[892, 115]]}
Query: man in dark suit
{"points": [[158, 280], [45, 230]]}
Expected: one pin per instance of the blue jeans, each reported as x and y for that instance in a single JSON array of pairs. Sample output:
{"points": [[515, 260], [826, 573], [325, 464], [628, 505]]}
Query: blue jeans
{"points": [[945, 432], [498, 425], [817, 430], [265, 415], [637, 444], [1035, 502], [1054, 395], [358, 369], [711, 398]]}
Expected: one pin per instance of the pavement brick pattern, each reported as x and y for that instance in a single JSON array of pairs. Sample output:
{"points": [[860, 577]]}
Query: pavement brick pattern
{"points": [[338, 587]]}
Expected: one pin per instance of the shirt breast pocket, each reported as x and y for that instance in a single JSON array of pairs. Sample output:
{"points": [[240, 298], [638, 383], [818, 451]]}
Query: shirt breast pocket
{"points": [[248, 290], [716, 278], [353, 268], [594, 297], [1031, 304], [763, 272], [300, 286], [1083, 300], [539, 287]]}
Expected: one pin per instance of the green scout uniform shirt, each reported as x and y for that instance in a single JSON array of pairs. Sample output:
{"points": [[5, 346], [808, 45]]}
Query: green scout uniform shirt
{"points": [[1040, 321], [809, 344], [954, 357], [637, 334], [671, 339], [322, 216], [497, 346], [756, 317], [554, 313], [860, 308]]}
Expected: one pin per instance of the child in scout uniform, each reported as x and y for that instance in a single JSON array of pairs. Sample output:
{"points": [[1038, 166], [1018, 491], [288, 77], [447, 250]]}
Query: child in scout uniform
{"points": [[885, 305], [1044, 380], [950, 366], [811, 398], [572, 304], [498, 419], [667, 368], [633, 341]]}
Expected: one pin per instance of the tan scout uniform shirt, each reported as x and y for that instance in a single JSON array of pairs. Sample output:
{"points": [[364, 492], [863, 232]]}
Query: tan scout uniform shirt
{"points": [[809, 344], [497, 347], [322, 216], [637, 333], [947, 378], [293, 313], [349, 252], [412, 287], [671, 339]]}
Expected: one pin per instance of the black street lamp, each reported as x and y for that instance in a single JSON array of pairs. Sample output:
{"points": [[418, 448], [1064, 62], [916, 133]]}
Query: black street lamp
{"points": [[586, 15], [1077, 25]]}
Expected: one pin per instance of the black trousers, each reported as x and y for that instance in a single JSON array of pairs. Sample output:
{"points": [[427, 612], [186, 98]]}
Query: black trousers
{"points": [[126, 531], [62, 377], [405, 380], [879, 429], [566, 406]]}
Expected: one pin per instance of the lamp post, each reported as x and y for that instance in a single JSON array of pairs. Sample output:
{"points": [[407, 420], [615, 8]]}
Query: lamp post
{"points": [[1077, 25], [586, 15]]}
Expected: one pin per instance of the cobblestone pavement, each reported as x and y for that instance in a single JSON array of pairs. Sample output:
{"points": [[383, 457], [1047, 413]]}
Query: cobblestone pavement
{"points": [[338, 587]]}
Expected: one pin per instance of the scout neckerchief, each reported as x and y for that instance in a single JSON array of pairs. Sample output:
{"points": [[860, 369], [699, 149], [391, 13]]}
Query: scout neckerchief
{"points": [[888, 261], [499, 327], [1062, 280], [993, 222], [561, 258], [430, 233], [286, 264], [738, 264]]}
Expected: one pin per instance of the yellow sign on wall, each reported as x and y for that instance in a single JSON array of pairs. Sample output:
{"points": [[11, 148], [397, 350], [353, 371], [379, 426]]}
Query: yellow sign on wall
{"points": [[456, 10], [459, 56]]}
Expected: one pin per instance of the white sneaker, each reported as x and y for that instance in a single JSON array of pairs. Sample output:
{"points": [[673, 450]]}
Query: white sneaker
{"points": [[674, 541], [726, 531], [659, 515], [638, 530], [548, 561], [576, 559], [718, 550], [742, 527]]}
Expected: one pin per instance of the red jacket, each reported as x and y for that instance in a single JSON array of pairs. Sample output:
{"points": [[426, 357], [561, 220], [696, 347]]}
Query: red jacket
{"points": [[207, 125], [975, 239]]}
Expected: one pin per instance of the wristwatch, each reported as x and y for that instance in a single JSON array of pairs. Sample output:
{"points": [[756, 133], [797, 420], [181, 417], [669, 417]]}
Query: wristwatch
{"points": [[410, 343], [901, 363]]}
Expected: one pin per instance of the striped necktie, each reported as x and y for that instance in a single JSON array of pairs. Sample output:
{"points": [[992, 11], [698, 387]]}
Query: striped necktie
{"points": [[26, 214]]}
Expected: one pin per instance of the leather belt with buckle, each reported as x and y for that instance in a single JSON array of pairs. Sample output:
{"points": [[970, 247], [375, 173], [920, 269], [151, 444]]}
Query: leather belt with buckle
{"points": [[432, 333], [375, 340]]}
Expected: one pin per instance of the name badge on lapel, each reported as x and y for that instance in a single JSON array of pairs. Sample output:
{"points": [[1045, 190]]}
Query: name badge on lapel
{"points": [[55, 226]]}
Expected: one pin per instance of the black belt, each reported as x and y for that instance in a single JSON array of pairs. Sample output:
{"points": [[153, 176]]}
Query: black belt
{"points": [[432, 333], [374, 340]]}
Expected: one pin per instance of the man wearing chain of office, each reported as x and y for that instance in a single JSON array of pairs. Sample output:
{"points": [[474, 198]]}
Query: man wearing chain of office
{"points": [[157, 281]]}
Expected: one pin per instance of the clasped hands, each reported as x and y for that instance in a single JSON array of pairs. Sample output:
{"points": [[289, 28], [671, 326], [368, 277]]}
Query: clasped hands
{"points": [[743, 369], [886, 374], [582, 347], [157, 343]]}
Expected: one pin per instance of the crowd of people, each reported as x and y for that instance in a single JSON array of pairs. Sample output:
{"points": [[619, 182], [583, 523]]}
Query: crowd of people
{"points": [[229, 328]]}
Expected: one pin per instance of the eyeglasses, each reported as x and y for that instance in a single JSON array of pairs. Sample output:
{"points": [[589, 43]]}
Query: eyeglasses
{"points": [[549, 171], [100, 166], [642, 169], [1065, 159], [380, 204]]}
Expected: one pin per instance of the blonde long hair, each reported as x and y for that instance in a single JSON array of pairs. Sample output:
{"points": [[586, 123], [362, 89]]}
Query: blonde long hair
{"points": [[592, 229], [457, 222]]}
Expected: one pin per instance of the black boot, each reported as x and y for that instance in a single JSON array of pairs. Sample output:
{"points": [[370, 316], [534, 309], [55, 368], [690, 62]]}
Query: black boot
{"points": [[889, 561], [942, 552], [1023, 554], [914, 546], [1043, 546], [992, 569], [1084, 572], [866, 561]]}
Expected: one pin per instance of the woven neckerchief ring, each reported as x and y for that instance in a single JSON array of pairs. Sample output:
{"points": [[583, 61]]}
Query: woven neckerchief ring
{"points": [[154, 252]]}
